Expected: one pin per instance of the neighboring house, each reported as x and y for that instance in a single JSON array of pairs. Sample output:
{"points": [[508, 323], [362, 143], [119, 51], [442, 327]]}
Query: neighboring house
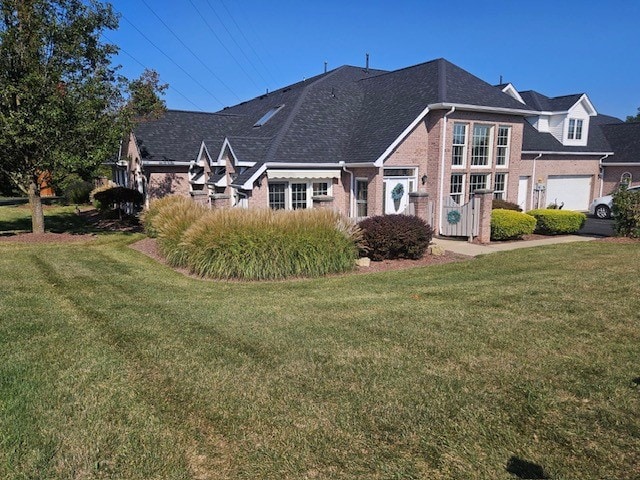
{"points": [[360, 140]]}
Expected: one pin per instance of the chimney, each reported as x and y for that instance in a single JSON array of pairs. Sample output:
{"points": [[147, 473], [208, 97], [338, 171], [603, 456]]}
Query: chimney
{"points": [[366, 67], [325, 66]]}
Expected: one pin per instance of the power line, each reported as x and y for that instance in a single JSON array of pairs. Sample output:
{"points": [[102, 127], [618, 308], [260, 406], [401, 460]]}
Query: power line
{"points": [[147, 68], [223, 23], [191, 51], [248, 42], [195, 80], [223, 45], [239, 4]]}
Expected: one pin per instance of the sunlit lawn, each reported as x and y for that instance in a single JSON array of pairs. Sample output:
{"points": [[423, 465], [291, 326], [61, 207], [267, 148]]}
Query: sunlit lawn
{"points": [[113, 366]]}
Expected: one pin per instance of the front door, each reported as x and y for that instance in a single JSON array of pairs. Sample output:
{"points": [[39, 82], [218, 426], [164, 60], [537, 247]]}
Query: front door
{"points": [[523, 192], [396, 195]]}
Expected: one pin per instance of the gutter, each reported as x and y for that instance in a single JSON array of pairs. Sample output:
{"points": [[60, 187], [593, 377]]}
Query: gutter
{"points": [[535, 152], [442, 163], [480, 108], [351, 188]]}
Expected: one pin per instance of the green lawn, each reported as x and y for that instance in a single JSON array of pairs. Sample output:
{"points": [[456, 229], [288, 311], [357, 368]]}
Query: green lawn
{"points": [[113, 366]]}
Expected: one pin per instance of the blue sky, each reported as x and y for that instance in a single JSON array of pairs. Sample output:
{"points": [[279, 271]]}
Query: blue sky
{"points": [[236, 49]]}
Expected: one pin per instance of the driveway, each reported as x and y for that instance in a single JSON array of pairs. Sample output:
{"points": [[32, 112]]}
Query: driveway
{"points": [[597, 226]]}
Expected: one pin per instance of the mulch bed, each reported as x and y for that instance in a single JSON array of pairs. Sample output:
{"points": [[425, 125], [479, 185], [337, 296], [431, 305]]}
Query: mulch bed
{"points": [[149, 247]]}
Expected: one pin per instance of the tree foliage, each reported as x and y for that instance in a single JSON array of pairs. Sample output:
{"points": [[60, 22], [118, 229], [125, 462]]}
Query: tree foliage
{"points": [[63, 106], [636, 118]]}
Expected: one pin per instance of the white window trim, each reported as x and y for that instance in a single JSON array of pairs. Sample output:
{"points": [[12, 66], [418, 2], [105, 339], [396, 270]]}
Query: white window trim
{"points": [[487, 183], [507, 146], [504, 190], [464, 146], [463, 193], [288, 191], [489, 146]]}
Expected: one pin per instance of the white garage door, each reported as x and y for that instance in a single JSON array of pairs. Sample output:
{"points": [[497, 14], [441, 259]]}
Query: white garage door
{"points": [[574, 191]]}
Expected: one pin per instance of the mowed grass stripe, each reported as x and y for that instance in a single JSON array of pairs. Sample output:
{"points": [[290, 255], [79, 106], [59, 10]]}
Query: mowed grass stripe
{"points": [[442, 372]]}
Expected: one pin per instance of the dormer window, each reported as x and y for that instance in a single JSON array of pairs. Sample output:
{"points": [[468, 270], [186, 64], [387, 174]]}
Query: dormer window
{"points": [[268, 116], [575, 129]]}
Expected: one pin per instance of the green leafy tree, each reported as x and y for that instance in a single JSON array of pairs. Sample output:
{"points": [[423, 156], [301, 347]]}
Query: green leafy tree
{"points": [[634, 119], [63, 106]]}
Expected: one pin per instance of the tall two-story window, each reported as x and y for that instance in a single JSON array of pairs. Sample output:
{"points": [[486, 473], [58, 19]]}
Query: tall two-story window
{"points": [[456, 190], [481, 146], [575, 129], [499, 185], [503, 145], [459, 150]]}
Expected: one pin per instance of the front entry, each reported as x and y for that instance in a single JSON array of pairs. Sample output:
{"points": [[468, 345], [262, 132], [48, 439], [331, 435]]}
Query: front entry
{"points": [[396, 195]]}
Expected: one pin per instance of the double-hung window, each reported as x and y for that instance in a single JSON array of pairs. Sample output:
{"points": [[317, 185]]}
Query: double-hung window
{"points": [[499, 186], [502, 147], [277, 196], [575, 129], [459, 146], [481, 146], [478, 181], [456, 191], [298, 196]]}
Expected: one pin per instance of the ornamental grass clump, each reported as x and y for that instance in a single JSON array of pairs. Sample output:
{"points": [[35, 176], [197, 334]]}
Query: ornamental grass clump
{"points": [[550, 221], [156, 206], [269, 245], [170, 223], [510, 224]]}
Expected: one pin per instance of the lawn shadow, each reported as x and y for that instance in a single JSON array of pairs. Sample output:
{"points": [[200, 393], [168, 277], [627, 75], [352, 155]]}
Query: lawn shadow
{"points": [[525, 469]]}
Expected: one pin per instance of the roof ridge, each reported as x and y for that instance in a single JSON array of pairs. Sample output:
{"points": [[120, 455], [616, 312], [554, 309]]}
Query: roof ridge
{"points": [[294, 110], [388, 72], [218, 113]]}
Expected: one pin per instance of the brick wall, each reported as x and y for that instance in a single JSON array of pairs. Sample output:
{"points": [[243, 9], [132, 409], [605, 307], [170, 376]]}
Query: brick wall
{"points": [[613, 175], [165, 181]]}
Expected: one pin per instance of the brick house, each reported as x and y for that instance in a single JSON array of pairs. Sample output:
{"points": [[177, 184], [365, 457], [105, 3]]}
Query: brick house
{"points": [[361, 140]]}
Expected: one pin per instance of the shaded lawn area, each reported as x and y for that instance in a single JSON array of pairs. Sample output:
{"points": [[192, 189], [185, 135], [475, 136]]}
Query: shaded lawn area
{"points": [[113, 366], [57, 219]]}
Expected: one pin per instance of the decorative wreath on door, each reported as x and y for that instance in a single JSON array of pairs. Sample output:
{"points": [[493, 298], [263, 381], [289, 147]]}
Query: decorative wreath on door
{"points": [[397, 192]]}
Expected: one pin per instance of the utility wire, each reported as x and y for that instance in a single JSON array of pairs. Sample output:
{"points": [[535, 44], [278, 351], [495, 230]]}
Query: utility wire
{"points": [[171, 87], [195, 80], [239, 4], [223, 23], [191, 51], [223, 45]]}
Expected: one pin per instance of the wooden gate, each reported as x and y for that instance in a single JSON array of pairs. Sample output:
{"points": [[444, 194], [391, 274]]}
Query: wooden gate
{"points": [[460, 221]]}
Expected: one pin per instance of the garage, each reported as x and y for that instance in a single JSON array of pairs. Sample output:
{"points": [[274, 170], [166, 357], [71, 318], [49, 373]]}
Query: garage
{"points": [[572, 190]]}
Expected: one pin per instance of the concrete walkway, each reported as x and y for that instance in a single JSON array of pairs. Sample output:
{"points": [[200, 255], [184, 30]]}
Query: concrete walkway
{"points": [[463, 247]]}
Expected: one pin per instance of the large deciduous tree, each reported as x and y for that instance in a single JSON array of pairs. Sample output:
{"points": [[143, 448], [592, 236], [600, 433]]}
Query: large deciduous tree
{"points": [[61, 101]]}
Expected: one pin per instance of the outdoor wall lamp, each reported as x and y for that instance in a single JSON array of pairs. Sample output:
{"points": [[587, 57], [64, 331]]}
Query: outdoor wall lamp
{"points": [[424, 179]]}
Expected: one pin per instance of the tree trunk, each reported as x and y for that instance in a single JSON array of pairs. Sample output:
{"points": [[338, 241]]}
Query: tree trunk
{"points": [[37, 215]]}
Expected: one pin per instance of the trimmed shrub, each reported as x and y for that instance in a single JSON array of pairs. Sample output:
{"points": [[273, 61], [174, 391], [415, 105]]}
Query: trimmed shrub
{"points": [[551, 221], [269, 245], [509, 224], [171, 222], [148, 216], [626, 212], [498, 204], [112, 197], [395, 236]]}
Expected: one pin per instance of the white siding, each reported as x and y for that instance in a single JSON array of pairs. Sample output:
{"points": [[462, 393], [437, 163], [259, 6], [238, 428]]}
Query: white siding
{"points": [[557, 126]]}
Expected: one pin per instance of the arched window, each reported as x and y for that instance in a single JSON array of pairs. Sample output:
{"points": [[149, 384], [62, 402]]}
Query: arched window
{"points": [[625, 178]]}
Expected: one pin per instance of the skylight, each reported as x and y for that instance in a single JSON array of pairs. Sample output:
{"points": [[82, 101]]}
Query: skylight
{"points": [[267, 116]]}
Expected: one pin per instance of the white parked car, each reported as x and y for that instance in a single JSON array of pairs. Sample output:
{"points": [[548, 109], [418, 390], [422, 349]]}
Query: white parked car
{"points": [[601, 207]]}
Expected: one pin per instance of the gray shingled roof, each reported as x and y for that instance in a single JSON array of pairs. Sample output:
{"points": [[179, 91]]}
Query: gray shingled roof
{"points": [[535, 141], [624, 138], [178, 135], [538, 101]]}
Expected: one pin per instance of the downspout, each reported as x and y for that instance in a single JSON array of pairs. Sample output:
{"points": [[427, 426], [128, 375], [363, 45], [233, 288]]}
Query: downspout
{"points": [[601, 172], [442, 163], [351, 187], [533, 180]]}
